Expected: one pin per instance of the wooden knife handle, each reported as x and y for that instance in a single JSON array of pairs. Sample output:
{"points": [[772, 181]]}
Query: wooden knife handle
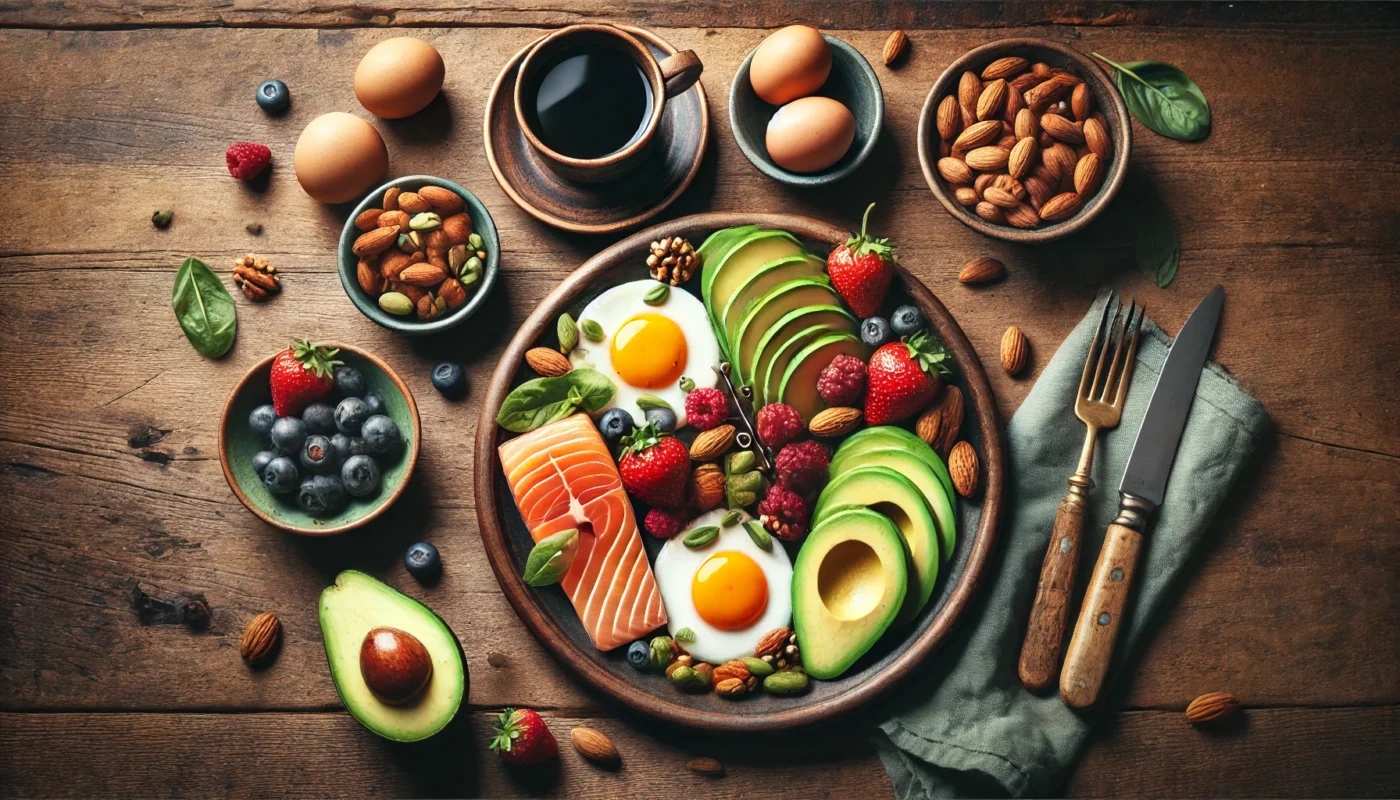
{"points": [[1091, 647], [1045, 636]]}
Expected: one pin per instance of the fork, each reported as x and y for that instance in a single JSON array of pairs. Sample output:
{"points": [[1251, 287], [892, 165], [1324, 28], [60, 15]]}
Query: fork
{"points": [[1108, 370]]}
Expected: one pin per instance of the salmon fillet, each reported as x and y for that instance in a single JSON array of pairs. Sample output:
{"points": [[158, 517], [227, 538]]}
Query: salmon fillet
{"points": [[563, 476]]}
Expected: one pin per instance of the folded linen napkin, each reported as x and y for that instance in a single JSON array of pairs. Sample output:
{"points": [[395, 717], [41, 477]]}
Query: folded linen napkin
{"points": [[965, 725]]}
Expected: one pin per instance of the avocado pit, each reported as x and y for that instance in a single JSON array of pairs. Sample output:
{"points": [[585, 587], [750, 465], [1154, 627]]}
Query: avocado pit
{"points": [[395, 665]]}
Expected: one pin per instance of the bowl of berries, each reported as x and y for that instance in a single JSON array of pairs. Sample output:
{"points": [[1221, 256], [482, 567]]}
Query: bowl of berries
{"points": [[319, 439]]}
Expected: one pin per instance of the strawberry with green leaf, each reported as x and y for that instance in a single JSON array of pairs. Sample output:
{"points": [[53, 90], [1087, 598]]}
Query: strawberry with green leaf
{"points": [[522, 739], [903, 378], [862, 269], [655, 467], [301, 375]]}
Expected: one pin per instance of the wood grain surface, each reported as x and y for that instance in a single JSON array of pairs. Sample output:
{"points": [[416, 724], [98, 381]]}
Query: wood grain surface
{"points": [[108, 470]]}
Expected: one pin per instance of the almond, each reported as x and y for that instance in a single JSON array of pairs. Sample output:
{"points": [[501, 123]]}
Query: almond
{"points": [[983, 181], [945, 148], [949, 118], [594, 746], [547, 361], [393, 263], [977, 135], [771, 642], [938, 426], [393, 219], [1039, 191], [1006, 142], [437, 239], [962, 468], [1081, 103], [966, 196], [1006, 183], [987, 159], [1001, 198], [1005, 67], [422, 275], [1061, 128], [983, 269], [1060, 207], [368, 218], [1015, 103], [705, 766], [1013, 350], [457, 228], [374, 242], [1022, 216], [1096, 137], [832, 422], [1211, 706], [1025, 124], [707, 487], [1088, 174], [369, 278], [452, 293], [413, 203], [713, 443], [260, 639], [954, 170], [1022, 158], [413, 293], [969, 89], [1042, 69], [1025, 82], [992, 100], [1060, 159], [391, 198], [990, 213], [895, 47], [1039, 97], [444, 201]]}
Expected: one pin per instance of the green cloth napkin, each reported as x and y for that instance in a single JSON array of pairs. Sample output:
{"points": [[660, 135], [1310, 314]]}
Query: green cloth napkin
{"points": [[964, 725]]}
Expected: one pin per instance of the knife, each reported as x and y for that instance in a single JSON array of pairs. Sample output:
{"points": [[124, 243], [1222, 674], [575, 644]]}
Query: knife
{"points": [[1142, 490]]}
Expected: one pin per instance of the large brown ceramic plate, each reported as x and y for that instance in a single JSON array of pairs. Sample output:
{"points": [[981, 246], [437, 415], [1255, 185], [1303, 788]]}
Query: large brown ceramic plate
{"points": [[550, 616]]}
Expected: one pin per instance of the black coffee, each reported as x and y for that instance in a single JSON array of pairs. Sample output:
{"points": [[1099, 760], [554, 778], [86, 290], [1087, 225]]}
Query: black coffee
{"points": [[591, 102]]}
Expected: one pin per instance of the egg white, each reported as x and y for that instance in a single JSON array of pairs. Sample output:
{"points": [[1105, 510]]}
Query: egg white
{"points": [[614, 307], [675, 568]]}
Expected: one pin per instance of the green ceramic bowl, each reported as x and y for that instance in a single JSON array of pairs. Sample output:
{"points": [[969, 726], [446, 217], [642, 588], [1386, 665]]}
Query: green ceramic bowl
{"points": [[852, 82], [238, 445], [412, 326]]}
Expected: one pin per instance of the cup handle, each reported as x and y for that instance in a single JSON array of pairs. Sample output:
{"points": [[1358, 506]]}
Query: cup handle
{"points": [[680, 71]]}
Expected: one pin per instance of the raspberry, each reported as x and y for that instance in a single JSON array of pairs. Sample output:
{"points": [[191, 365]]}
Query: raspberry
{"points": [[784, 513], [663, 524], [803, 466], [246, 160], [843, 381], [778, 424], [706, 408]]}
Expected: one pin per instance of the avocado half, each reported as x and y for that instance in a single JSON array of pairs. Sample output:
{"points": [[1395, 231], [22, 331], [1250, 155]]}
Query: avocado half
{"points": [[356, 604], [848, 585]]}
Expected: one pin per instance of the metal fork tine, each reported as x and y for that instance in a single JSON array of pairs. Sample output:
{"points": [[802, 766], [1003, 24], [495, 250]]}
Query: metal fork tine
{"points": [[1094, 345], [1115, 363], [1131, 357], [1094, 388]]}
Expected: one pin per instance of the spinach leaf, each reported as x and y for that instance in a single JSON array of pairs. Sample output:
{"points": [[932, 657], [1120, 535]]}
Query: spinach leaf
{"points": [[544, 400], [550, 558], [1158, 245], [204, 308], [1163, 98]]}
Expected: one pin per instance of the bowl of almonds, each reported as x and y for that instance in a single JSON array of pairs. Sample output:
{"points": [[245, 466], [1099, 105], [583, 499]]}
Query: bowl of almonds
{"points": [[1024, 140], [419, 255]]}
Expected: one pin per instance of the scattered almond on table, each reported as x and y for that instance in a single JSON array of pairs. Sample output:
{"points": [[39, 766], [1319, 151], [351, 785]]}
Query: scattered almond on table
{"points": [[895, 46], [260, 639], [1014, 350], [1211, 706], [595, 746], [980, 270]]}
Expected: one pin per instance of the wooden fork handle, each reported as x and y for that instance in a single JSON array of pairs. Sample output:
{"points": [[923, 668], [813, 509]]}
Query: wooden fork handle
{"points": [[1045, 636], [1091, 647]]}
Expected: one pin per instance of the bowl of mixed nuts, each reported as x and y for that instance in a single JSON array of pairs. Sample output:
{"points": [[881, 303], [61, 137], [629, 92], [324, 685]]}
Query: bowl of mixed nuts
{"points": [[419, 255], [1024, 140]]}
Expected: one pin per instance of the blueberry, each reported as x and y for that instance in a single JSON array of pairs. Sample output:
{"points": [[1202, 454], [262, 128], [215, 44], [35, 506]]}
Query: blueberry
{"points": [[875, 331], [350, 415], [321, 494], [317, 454], [450, 379], [360, 476], [382, 437], [261, 460], [615, 424], [288, 434], [280, 476], [639, 656], [907, 320], [663, 418], [349, 382], [273, 96], [422, 561], [374, 403], [346, 446], [260, 421], [319, 418]]}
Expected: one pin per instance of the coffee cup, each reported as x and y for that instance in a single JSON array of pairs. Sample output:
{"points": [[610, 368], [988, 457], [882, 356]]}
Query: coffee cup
{"points": [[589, 99]]}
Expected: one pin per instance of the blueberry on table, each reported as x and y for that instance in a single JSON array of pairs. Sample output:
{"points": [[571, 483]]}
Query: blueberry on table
{"points": [[422, 561], [360, 476], [262, 459], [288, 434], [318, 455], [374, 403], [349, 382], [639, 656], [350, 415], [319, 418], [273, 96], [450, 379], [907, 320], [875, 331], [615, 424], [663, 418], [261, 419], [320, 495], [280, 475]]}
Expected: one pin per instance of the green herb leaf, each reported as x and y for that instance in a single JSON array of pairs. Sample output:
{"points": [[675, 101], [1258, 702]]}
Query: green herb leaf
{"points": [[685, 635], [729, 519], [649, 401], [204, 308], [759, 534], [701, 536], [544, 400], [1158, 248], [550, 558], [568, 333], [657, 294], [592, 331], [1163, 98], [687, 385]]}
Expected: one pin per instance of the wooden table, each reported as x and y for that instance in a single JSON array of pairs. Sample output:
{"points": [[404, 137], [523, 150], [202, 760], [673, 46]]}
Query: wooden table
{"points": [[108, 466]]}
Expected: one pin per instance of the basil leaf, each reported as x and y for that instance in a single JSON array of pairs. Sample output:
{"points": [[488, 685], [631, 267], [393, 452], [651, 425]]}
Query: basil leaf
{"points": [[550, 558], [204, 308], [1158, 245], [544, 400], [657, 294], [685, 635], [1163, 98]]}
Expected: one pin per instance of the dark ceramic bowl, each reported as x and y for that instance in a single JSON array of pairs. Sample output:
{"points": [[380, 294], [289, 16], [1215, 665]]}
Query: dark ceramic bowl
{"points": [[1106, 100], [852, 82], [412, 326], [238, 444]]}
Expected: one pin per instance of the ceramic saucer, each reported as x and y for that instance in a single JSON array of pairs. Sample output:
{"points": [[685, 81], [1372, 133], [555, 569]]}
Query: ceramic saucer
{"points": [[606, 207]]}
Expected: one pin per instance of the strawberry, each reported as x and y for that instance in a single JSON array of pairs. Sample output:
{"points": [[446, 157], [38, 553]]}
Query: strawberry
{"points": [[522, 738], [903, 377], [655, 467], [861, 270], [301, 375]]}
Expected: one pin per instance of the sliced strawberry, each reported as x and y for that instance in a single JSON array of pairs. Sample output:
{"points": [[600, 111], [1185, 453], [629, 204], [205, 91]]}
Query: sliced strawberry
{"points": [[862, 269], [903, 378], [301, 375], [655, 467]]}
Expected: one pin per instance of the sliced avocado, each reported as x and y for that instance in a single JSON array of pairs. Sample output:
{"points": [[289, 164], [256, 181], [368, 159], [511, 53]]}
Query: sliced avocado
{"points": [[799, 385], [887, 492], [802, 265], [879, 453], [899, 438], [721, 239], [773, 306], [848, 584], [769, 378], [832, 319], [357, 604], [724, 273]]}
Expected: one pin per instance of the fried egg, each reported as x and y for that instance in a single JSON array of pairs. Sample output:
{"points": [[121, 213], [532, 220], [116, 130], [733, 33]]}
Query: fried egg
{"points": [[729, 592], [647, 349]]}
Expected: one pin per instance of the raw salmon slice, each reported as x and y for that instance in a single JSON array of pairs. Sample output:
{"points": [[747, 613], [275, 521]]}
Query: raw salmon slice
{"points": [[563, 476]]}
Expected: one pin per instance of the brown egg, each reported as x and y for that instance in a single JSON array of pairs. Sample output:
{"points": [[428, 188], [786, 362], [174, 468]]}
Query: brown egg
{"points": [[792, 62], [339, 157], [810, 134], [399, 77]]}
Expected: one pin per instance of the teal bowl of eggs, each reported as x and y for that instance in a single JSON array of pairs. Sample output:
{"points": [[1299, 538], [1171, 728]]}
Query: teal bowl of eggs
{"points": [[806, 108], [247, 446]]}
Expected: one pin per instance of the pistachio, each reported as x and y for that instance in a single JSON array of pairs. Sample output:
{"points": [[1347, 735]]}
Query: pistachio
{"points": [[759, 534], [592, 331], [788, 681], [700, 536], [657, 294], [425, 221], [685, 635], [396, 303], [162, 217], [687, 385], [410, 242], [729, 519], [475, 241], [568, 333], [469, 277], [687, 679], [456, 258], [743, 461], [661, 652], [758, 666]]}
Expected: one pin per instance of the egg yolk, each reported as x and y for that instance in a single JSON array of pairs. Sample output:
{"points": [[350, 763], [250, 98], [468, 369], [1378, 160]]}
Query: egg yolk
{"points": [[648, 351], [730, 591]]}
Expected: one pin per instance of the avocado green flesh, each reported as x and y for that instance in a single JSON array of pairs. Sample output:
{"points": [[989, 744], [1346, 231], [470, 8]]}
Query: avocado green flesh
{"points": [[767, 387], [357, 604], [912, 468], [733, 266], [720, 240], [765, 313], [799, 385], [887, 492], [900, 439], [762, 280], [848, 584], [833, 319]]}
